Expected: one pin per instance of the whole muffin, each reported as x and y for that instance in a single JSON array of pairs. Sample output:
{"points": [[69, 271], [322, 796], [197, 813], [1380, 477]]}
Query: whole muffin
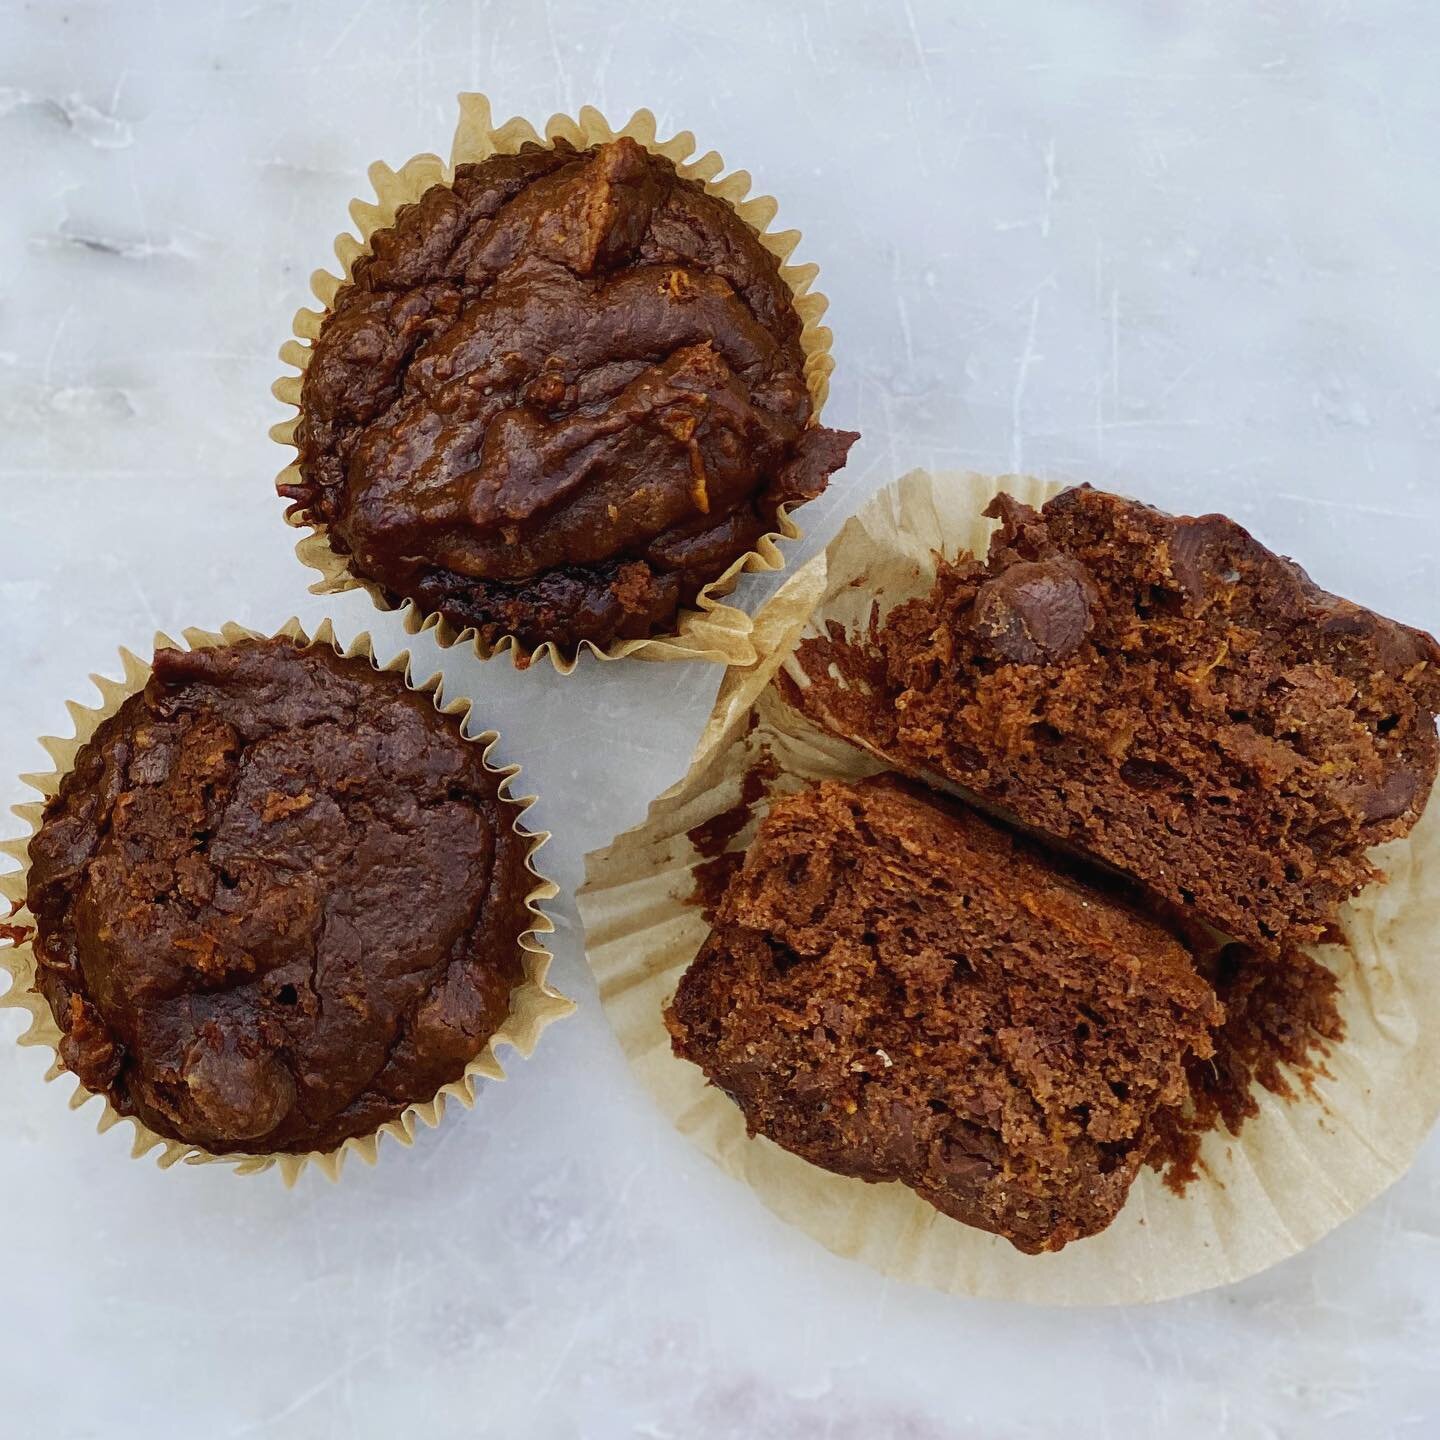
{"points": [[278, 899], [561, 395]]}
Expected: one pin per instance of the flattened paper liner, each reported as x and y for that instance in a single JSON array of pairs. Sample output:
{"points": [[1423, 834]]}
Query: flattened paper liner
{"points": [[708, 630], [1296, 1171], [533, 1003]]}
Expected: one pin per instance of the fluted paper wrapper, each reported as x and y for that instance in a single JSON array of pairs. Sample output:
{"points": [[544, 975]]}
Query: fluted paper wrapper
{"points": [[707, 630], [1296, 1171], [533, 1003]]}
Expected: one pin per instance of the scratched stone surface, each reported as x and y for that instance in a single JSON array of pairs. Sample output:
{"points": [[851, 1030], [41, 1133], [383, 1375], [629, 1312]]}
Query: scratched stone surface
{"points": [[1185, 251]]}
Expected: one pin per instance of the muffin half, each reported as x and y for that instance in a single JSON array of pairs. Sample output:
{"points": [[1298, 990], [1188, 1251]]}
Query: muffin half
{"points": [[1161, 693], [896, 989]]}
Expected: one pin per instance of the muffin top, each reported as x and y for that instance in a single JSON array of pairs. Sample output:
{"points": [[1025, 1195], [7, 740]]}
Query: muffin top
{"points": [[561, 394], [278, 898]]}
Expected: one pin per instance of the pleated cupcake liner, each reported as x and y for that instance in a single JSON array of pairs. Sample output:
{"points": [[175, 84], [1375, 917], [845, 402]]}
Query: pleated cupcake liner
{"points": [[1297, 1169], [709, 629], [534, 1003]]}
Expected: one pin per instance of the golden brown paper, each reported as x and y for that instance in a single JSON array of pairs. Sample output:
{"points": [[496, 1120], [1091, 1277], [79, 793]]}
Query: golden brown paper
{"points": [[709, 630], [1298, 1168], [533, 1003]]}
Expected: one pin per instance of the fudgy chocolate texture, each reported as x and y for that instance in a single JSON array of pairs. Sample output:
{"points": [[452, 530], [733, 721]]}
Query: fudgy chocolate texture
{"points": [[278, 898], [896, 989], [562, 394], [1166, 695]]}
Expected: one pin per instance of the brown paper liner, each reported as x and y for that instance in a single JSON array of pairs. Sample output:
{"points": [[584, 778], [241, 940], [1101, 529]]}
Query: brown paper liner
{"points": [[1295, 1172], [533, 1003], [708, 630]]}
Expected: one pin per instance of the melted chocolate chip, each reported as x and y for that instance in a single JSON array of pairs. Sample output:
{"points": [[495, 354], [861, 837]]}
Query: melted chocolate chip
{"points": [[1035, 611], [1198, 559]]}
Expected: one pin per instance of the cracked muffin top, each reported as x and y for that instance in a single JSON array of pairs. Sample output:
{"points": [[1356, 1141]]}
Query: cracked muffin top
{"points": [[562, 394], [278, 899]]}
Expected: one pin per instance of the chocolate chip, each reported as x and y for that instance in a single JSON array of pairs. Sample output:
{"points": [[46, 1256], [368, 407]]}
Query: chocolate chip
{"points": [[1198, 557], [1397, 646], [237, 1087], [1036, 610], [1386, 798], [960, 1166]]}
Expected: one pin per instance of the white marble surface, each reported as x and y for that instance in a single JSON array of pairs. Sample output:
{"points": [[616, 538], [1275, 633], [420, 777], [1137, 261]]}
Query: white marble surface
{"points": [[1189, 251]]}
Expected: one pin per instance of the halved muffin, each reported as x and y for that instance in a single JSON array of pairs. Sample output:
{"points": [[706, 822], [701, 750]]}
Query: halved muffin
{"points": [[896, 989]]}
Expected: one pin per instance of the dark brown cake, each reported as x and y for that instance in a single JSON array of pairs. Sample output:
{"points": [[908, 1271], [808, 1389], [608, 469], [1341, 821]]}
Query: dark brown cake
{"points": [[1282, 1022], [278, 899], [1163, 694], [896, 989], [562, 395]]}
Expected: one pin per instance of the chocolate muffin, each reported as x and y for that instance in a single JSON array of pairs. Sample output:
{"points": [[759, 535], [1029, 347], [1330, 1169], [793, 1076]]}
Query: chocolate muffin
{"points": [[278, 899], [562, 394], [1166, 695], [896, 989]]}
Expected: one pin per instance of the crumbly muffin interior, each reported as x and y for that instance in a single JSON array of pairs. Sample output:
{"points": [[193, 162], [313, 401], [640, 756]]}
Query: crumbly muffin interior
{"points": [[896, 989]]}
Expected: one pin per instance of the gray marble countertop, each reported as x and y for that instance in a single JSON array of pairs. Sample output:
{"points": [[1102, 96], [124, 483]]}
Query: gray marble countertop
{"points": [[1185, 251]]}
